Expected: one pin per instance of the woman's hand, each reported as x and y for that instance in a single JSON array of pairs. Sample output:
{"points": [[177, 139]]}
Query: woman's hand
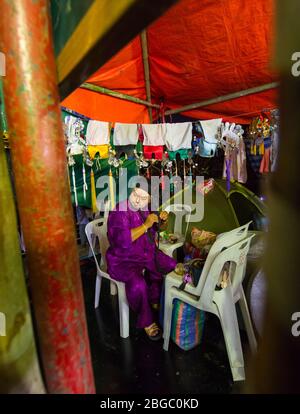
{"points": [[164, 215], [150, 220]]}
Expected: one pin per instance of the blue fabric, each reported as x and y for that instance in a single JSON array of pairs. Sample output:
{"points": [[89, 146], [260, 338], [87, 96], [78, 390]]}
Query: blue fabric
{"points": [[207, 150]]}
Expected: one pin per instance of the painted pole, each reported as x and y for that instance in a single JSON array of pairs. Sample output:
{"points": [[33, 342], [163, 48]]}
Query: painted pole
{"points": [[223, 98], [40, 172], [19, 368], [144, 44], [118, 95]]}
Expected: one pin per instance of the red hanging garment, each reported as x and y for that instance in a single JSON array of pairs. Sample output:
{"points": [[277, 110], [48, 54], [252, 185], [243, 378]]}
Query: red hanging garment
{"points": [[157, 151]]}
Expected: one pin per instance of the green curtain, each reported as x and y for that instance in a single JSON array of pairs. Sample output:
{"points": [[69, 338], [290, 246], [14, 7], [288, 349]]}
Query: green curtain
{"points": [[129, 165]]}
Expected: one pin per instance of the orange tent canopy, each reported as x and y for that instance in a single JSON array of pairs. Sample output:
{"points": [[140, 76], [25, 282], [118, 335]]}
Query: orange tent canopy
{"points": [[197, 51]]}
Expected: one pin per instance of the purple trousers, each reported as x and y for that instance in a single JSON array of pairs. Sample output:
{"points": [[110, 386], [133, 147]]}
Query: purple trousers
{"points": [[144, 288]]}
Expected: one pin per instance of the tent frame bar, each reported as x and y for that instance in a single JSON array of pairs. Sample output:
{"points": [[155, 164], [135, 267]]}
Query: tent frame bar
{"points": [[118, 95], [144, 44], [224, 98]]}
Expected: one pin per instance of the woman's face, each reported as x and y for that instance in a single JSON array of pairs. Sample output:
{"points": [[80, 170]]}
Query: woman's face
{"points": [[139, 198]]}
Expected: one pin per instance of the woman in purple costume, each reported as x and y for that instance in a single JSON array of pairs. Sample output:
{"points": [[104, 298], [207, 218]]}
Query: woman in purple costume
{"points": [[134, 259]]}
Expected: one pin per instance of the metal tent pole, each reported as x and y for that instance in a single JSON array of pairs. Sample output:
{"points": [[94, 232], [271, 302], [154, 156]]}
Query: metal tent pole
{"points": [[144, 44], [223, 98], [118, 95]]}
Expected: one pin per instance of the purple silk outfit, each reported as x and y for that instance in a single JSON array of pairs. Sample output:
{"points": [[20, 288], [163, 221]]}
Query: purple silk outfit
{"points": [[126, 261]]}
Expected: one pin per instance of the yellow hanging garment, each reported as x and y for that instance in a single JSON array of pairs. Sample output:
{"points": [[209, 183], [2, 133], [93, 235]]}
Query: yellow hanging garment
{"points": [[102, 149]]}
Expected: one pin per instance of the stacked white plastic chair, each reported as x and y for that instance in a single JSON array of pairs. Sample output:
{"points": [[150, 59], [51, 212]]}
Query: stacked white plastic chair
{"points": [[98, 229], [181, 211], [231, 247]]}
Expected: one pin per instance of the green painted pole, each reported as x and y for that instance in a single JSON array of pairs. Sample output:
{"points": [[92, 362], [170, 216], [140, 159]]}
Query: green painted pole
{"points": [[118, 95], [19, 369]]}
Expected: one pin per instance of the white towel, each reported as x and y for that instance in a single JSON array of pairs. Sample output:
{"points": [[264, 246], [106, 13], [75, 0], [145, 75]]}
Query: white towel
{"points": [[125, 134], [154, 134], [179, 136], [97, 133], [210, 129]]}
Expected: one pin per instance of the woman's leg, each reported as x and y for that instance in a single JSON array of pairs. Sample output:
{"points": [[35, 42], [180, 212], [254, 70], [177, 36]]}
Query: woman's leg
{"points": [[159, 265], [137, 293]]}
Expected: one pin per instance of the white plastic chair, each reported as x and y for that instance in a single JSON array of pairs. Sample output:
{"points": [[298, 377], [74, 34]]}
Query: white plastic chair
{"points": [[98, 229], [180, 211], [231, 247]]}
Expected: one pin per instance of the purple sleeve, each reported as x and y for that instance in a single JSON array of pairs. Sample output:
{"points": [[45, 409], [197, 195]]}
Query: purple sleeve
{"points": [[118, 229]]}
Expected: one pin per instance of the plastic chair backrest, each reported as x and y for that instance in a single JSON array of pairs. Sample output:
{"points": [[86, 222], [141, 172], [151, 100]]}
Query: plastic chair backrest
{"points": [[226, 240], [106, 209], [180, 210], [237, 256], [98, 229]]}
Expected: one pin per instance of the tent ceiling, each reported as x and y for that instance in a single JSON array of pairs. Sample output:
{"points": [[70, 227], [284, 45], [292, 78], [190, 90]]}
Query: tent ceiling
{"points": [[197, 51]]}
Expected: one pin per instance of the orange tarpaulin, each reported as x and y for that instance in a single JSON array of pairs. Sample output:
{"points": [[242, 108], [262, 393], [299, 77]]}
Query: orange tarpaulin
{"points": [[197, 51]]}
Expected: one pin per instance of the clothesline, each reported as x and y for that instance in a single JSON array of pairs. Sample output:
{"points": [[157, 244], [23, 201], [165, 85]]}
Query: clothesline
{"points": [[72, 112]]}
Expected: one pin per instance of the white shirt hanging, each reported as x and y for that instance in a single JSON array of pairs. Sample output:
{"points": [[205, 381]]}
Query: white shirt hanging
{"points": [[210, 129], [154, 134], [179, 136], [97, 133], [125, 134]]}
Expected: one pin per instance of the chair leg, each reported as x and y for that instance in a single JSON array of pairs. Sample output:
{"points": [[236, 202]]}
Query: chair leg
{"points": [[248, 322], [167, 320], [229, 323], [97, 290], [123, 313], [113, 289]]}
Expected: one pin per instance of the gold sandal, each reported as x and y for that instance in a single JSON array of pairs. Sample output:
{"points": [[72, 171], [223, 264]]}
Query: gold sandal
{"points": [[153, 332]]}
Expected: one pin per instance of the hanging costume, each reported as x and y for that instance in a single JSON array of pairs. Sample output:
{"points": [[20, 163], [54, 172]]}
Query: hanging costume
{"points": [[125, 134], [208, 144], [265, 162], [231, 138], [179, 136], [154, 140], [97, 133], [126, 260], [274, 149], [73, 128], [237, 161], [154, 134], [97, 138]]}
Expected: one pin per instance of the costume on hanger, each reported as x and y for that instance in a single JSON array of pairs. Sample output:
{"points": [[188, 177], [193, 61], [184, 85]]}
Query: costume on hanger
{"points": [[238, 163], [150, 150], [97, 133], [266, 159], [125, 134], [128, 150], [184, 154], [208, 144], [179, 136], [235, 165], [154, 134]]}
